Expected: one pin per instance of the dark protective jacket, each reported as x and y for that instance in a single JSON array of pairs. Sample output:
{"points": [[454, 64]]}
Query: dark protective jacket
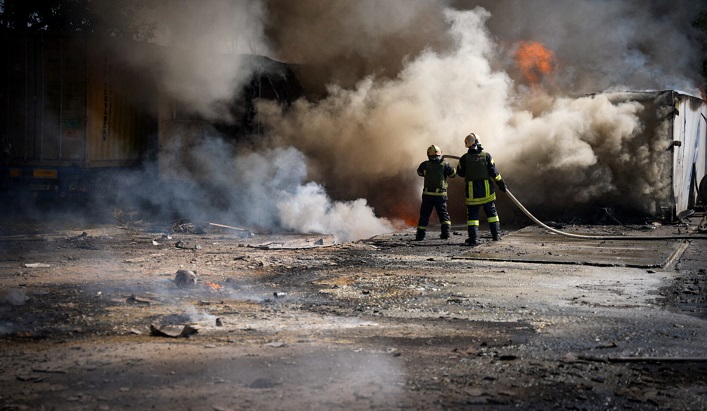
{"points": [[478, 169], [436, 172]]}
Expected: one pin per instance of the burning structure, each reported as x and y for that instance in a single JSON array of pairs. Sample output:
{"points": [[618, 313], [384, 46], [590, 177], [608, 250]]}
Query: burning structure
{"points": [[674, 136], [386, 90]]}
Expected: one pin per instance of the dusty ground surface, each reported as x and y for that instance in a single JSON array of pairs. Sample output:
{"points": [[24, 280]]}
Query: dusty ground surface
{"points": [[300, 323]]}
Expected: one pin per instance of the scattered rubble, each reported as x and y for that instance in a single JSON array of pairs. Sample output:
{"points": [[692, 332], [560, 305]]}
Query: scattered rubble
{"points": [[37, 265], [185, 279], [380, 323], [186, 332]]}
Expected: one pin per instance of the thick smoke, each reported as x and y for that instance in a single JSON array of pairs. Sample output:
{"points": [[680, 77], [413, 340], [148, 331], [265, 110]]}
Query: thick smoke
{"points": [[379, 130], [555, 150], [199, 60], [604, 45], [262, 190], [388, 78]]}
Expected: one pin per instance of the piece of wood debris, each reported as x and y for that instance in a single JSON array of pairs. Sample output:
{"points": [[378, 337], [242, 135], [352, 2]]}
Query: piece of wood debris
{"points": [[49, 370], [243, 230], [133, 299]]}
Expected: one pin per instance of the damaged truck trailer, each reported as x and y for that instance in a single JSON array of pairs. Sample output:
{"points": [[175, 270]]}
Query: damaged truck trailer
{"points": [[72, 115], [672, 144], [76, 117]]}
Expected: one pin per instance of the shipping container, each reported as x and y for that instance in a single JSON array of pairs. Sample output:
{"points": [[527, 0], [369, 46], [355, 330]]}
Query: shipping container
{"points": [[673, 141], [72, 114]]}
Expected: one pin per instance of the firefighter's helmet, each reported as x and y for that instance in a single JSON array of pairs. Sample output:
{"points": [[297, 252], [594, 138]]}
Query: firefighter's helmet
{"points": [[433, 150], [471, 139]]}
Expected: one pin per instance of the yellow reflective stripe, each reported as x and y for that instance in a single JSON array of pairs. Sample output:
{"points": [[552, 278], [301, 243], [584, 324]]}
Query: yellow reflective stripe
{"points": [[421, 227], [487, 189], [446, 222], [498, 178], [432, 193], [472, 223], [482, 200], [493, 219]]}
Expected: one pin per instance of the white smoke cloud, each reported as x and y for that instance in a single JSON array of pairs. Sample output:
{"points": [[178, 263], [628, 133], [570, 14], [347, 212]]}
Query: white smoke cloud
{"points": [[199, 62], [310, 210], [553, 150], [381, 128], [264, 189], [275, 192]]}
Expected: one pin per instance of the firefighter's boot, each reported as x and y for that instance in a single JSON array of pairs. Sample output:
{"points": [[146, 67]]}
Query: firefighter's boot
{"points": [[495, 231], [473, 236], [420, 235], [445, 231]]}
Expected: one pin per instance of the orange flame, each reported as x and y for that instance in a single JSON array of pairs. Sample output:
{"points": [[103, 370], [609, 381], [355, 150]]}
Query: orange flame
{"points": [[534, 60], [213, 286], [406, 214]]}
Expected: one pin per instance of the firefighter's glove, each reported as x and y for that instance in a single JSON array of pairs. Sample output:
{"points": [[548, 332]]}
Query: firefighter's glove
{"points": [[502, 185]]}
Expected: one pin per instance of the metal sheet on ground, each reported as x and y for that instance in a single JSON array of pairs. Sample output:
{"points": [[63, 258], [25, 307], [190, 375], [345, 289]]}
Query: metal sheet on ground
{"points": [[536, 245]]}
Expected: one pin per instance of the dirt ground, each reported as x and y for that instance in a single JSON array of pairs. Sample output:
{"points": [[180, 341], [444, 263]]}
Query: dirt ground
{"points": [[91, 316]]}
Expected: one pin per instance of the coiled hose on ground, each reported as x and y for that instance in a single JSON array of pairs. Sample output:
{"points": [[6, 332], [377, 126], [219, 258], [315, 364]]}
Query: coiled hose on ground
{"points": [[593, 237]]}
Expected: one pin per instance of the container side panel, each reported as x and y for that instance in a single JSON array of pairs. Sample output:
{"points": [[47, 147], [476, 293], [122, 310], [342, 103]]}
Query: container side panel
{"points": [[119, 126], [20, 91], [689, 131], [73, 94], [52, 88]]}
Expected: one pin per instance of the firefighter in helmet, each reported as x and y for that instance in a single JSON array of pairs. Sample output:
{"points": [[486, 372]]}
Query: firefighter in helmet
{"points": [[434, 193], [479, 170]]}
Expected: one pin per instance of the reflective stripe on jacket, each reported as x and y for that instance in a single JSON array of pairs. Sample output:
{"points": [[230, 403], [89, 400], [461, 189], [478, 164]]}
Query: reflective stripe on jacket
{"points": [[478, 169]]}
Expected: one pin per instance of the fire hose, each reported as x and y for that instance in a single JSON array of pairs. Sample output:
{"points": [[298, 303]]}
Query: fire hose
{"points": [[586, 236]]}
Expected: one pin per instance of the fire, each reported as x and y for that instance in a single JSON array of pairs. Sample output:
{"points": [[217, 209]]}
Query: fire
{"points": [[213, 286], [405, 214], [534, 60]]}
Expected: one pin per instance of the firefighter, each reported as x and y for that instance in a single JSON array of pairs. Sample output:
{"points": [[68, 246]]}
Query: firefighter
{"points": [[479, 170], [434, 193]]}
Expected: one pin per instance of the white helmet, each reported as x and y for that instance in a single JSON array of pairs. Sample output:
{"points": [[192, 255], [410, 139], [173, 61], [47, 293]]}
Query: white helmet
{"points": [[433, 150], [471, 139]]}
